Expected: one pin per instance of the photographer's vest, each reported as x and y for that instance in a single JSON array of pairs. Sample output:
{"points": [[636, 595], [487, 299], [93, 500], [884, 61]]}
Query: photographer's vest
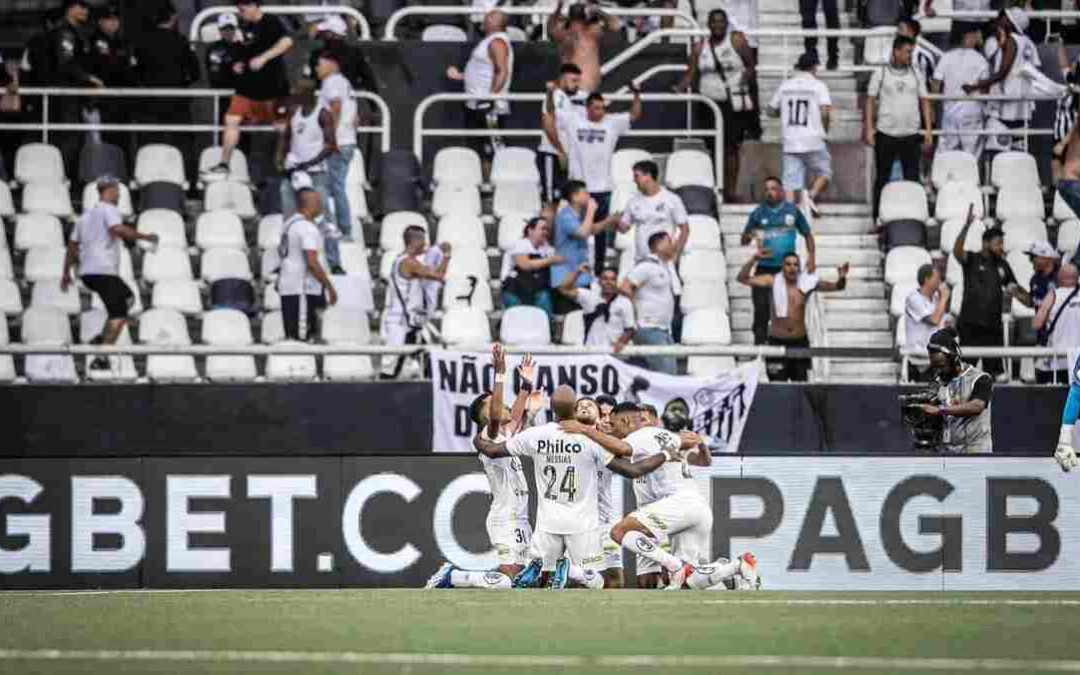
{"points": [[965, 435]]}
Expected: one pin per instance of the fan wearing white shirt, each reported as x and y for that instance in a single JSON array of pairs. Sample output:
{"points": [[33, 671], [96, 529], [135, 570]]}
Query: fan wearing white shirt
{"points": [[1010, 51], [957, 67], [650, 284], [566, 466], [924, 314], [301, 272], [337, 98], [804, 107], [551, 158], [609, 317]]}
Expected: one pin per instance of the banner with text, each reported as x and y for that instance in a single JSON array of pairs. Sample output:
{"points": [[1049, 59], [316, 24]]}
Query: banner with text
{"points": [[718, 406]]}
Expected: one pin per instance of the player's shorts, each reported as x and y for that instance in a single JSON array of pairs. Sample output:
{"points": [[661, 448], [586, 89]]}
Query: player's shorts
{"points": [[610, 550], [684, 519], [800, 167], [583, 548], [511, 540], [255, 112]]}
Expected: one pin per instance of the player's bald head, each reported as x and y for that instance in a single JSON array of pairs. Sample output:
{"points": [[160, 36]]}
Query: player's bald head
{"points": [[563, 403]]}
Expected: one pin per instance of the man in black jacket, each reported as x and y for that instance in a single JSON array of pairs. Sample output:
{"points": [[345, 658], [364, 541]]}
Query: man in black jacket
{"points": [[111, 59], [67, 67]]}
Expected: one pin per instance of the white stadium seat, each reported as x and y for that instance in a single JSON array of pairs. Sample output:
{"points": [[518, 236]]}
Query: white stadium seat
{"points": [[7, 204], [355, 189], [573, 329], [622, 165], [1015, 169], [179, 294], [457, 166], [219, 229], [343, 327], [44, 263], [166, 327], [954, 199], [167, 224], [6, 268], [704, 234], [393, 227], [272, 330], [702, 265], [39, 162], [49, 294], [1068, 237], [229, 195], [91, 196], [443, 33], [466, 326], [512, 228], [228, 328], [461, 292], [954, 166], [515, 196], [290, 367], [903, 262], [468, 262], [48, 326], [1021, 266], [354, 292], [709, 366], [269, 233], [1062, 211], [903, 200], [709, 326], [37, 229], [10, 298], [121, 368], [271, 299], [159, 163], [47, 197], [7, 362], [1020, 233], [462, 231], [689, 167], [238, 165], [225, 263], [899, 296], [524, 325], [956, 300], [386, 262], [166, 263], [954, 273], [354, 259], [621, 195], [456, 199], [514, 164], [1019, 201], [701, 294], [950, 230]]}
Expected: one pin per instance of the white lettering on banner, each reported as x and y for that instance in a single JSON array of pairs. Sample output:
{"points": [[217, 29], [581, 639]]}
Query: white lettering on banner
{"points": [[717, 407], [352, 522], [180, 556], [85, 523], [34, 556], [443, 523], [281, 490]]}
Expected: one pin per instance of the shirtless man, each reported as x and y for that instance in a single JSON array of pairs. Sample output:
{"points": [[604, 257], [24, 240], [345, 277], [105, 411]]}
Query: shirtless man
{"points": [[1069, 184], [787, 322], [578, 38]]}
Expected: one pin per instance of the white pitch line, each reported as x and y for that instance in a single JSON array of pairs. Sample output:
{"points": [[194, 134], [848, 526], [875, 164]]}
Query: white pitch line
{"points": [[887, 602], [548, 661]]}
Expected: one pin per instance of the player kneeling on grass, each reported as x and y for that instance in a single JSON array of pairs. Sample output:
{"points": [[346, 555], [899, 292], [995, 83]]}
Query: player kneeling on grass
{"points": [[1066, 454], [566, 467], [508, 517]]}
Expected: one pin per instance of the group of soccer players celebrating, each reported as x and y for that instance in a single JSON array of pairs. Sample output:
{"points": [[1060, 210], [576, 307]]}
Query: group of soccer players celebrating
{"points": [[578, 539]]}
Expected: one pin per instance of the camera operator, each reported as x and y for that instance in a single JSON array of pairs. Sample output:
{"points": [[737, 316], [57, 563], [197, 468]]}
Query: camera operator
{"points": [[964, 394]]}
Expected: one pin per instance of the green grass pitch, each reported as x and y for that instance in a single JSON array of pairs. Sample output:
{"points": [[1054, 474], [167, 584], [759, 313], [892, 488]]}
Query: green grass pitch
{"points": [[385, 631]]}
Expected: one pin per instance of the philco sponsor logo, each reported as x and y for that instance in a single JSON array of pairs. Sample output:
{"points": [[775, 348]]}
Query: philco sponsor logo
{"points": [[557, 446]]}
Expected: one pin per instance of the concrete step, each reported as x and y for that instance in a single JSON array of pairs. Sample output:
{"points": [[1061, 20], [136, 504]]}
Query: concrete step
{"points": [[856, 321], [860, 338], [856, 288], [854, 274], [841, 303], [861, 257], [842, 241], [863, 370]]}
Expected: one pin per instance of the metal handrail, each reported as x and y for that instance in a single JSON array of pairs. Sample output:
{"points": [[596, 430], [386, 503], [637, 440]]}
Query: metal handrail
{"points": [[361, 20], [419, 132], [45, 125], [458, 10]]}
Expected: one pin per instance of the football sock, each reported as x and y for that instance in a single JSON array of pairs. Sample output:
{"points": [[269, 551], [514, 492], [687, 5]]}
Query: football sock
{"points": [[644, 545], [710, 575], [586, 577], [490, 579]]}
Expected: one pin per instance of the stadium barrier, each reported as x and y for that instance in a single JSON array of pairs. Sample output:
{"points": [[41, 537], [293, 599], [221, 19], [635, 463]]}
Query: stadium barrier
{"points": [[814, 523], [283, 10]]}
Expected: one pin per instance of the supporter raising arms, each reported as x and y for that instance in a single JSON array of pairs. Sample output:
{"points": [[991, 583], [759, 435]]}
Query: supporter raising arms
{"points": [[578, 38]]}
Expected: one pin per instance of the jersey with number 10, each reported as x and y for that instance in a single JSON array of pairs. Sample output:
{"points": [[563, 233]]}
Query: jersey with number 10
{"points": [[565, 466], [799, 100]]}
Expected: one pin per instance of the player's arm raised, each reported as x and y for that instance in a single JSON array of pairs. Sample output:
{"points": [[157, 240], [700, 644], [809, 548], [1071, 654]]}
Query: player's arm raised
{"points": [[495, 407], [525, 373], [615, 446]]}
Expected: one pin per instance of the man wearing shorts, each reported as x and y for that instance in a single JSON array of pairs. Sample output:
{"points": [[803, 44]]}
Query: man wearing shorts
{"points": [[95, 244], [261, 83], [804, 106]]}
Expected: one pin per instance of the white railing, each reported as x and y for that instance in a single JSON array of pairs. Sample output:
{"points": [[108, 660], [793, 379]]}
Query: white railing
{"points": [[47, 93], [458, 10], [420, 132], [209, 12]]}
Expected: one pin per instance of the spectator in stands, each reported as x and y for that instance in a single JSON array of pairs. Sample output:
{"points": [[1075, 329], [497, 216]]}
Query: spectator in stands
{"points": [[960, 27], [578, 38], [967, 392], [593, 137], [261, 82], [551, 157], [223, 56], [1045, 265], [301, 274], [654, 209], [329, 34], [1067, 106], [960, 65], [34, 66], [804, 107], [776, 224], [789, 292], [743, 16], [489, 72], [338, 103], [1009, 51], [986, 273], [925, 310], [95, 245], [408, 306], [1058, 325], [923, 59], [893, 104], [649, 285], [721, 67], [575, 223], [67, 68], [526, 268], [111, 59], [609, 317], [808, 9]]}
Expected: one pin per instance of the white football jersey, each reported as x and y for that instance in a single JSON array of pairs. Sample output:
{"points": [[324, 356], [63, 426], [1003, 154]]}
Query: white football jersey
{"points": [[605, 509], [669, 478], [509, 489], [799, 100], [565, 467]]}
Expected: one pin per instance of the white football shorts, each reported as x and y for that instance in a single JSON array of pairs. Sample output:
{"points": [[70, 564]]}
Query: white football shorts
{"points": [[582, 547], [511, 540], [684, 519], [610, 549]]}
